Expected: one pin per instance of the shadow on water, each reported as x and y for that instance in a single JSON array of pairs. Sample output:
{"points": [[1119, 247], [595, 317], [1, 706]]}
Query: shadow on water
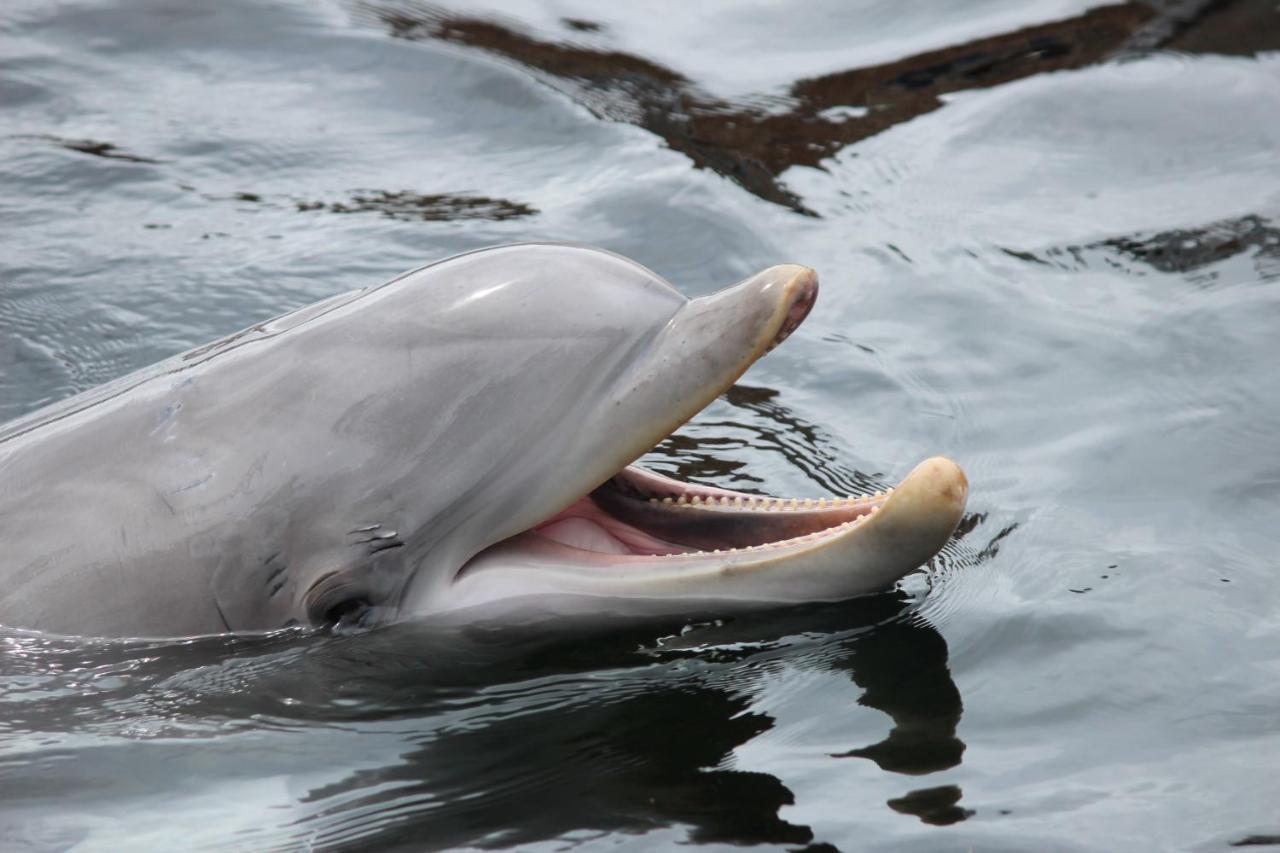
{"points": [[436, 207], [753, 140], [403, 205], [651, 743], [92, 147], [505, 735], [1180, 251]]}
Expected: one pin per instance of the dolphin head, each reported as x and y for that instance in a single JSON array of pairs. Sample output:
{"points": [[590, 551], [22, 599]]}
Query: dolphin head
{"points": [[544, 370]]}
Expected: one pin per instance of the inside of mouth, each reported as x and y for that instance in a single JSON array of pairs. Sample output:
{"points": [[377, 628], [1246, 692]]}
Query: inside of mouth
{"points": [[640, 514]]}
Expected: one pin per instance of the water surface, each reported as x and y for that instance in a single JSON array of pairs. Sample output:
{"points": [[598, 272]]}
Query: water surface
{"points": [[1049, 244]]}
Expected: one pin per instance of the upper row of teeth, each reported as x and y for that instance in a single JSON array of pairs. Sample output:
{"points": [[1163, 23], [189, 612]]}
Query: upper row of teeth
{"points": [[752, 502], [826, 533]]}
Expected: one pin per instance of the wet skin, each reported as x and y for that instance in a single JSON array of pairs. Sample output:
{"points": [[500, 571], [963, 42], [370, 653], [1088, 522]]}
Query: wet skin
{"points": [[451, 444]]}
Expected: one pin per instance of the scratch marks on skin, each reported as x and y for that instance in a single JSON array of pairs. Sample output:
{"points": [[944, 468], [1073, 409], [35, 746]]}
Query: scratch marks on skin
{"points": [[375, 539], [206, 478], [167, 419], [277, 574]]}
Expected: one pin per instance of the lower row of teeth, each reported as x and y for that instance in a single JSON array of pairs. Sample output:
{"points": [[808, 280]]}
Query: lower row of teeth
{"points": [[753, 502], [808, 538]]}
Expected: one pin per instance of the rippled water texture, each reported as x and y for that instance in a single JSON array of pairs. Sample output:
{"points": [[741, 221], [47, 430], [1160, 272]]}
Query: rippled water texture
{"points": [[1049, 243]]}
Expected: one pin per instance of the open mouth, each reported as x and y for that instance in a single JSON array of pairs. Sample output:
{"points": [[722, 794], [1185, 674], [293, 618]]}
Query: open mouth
{"points": [[641, 536], [644, 535], [835, 547], [639, 513]]}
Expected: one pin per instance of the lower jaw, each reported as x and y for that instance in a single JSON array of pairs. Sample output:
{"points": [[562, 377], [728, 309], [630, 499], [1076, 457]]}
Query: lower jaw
{"points": [[644, 538]]}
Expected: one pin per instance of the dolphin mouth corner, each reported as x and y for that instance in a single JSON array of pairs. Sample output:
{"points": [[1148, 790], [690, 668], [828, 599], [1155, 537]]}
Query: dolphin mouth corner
{"points": [[644, 535]]}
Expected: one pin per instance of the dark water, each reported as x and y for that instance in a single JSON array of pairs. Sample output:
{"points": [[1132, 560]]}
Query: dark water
{"points": [[1049, 243]]}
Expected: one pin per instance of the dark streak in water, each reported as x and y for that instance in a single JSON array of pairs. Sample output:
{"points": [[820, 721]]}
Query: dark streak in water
{"points": [[1185, 250], [753, 146], [407, 206], [993, 547], [936, 806], [581, 25], [1239, 28], [1178, 250], [775, 428], [108, 150]]}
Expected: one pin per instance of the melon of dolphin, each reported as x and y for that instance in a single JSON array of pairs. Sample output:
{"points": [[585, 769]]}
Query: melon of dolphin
{"points": [[455, 441]]}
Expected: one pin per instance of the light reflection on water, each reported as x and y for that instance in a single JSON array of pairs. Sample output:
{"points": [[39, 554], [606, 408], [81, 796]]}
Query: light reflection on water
{"points": [[1042, 253]]}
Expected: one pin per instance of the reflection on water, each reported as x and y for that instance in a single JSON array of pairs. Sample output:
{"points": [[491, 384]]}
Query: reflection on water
{"points": [[1045, 250], [752, 141], [761, 424], [93, 147], [404, 204], [1182, 250], [497, 735]]}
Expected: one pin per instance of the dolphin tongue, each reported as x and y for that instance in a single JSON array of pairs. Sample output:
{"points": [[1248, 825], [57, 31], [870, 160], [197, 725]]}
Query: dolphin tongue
{"points": [[584, 534]]}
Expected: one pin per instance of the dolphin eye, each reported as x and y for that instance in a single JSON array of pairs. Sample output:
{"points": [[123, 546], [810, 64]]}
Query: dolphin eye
{"points": [[338, 601], [348, 613]]}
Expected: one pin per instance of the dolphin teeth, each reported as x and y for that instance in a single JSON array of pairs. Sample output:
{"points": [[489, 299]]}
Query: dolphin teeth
{"points": [[808, 503], [682, 500], [668, 500]]}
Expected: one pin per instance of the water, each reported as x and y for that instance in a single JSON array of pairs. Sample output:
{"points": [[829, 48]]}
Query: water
{"points": [[1049, 244]]}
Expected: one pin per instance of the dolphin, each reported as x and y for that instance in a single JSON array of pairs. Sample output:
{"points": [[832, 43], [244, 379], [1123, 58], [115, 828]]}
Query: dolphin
{"points": [[455, 442]]}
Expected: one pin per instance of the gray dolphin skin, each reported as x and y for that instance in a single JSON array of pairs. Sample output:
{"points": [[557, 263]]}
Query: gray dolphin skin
{"points": [[452, 444]]}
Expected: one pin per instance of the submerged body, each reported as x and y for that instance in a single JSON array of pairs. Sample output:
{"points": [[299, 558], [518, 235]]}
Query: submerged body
{"points": [[454, 439]]}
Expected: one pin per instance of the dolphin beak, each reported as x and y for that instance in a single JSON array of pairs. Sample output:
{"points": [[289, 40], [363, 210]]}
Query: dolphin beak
{"points": [[705, 347], [750, 318]]}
